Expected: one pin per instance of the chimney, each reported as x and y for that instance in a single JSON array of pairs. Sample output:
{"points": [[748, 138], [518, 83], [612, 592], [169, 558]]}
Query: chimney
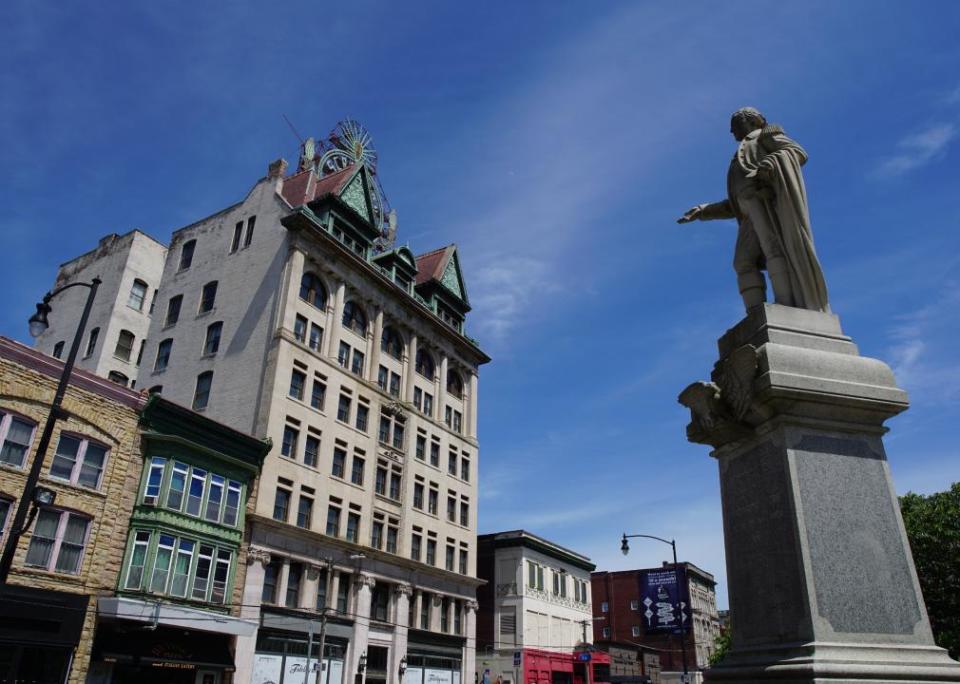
{"points": [[276, 171]]}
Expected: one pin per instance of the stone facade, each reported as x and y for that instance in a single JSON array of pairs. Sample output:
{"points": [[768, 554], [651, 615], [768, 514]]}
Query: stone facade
{"points": [[98, 413]]}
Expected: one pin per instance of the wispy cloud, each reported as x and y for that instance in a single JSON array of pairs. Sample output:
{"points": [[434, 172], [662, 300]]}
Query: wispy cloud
{"points": [[918, 149]]}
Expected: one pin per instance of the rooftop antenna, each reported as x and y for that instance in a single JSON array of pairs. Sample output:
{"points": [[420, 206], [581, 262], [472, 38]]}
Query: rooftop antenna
{"points": [[298, 136]]}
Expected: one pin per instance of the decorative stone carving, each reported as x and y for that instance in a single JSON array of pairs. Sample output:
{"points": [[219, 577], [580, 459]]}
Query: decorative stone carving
{"points": [[723, 410], [362, 579], [255, 555], [403, 590], [472, 605]]}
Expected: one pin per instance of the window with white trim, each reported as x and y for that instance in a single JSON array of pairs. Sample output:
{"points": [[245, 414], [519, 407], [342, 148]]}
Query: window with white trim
{"points": [[210, 496], [16, 434], [177, 566], [58, 541], [79, 461]]}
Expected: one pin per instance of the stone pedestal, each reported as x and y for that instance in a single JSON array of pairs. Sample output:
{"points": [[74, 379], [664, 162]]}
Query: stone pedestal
{"points": [[821, 579]]}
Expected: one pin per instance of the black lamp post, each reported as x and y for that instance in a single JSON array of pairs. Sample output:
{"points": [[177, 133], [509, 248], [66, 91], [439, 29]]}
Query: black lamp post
{"points": [[33, 495], [625, 548]]}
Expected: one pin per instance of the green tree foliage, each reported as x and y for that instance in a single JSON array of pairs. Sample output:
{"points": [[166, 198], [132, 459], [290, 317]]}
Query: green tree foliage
{"points": [[933, 527], [721, 647]]}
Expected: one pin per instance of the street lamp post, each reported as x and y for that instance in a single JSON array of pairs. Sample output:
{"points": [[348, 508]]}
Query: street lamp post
{"points": [[625, 548], [38, 323]]}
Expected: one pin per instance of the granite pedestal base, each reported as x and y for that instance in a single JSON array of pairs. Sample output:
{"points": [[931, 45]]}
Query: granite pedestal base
{"points": [[822, 583]]}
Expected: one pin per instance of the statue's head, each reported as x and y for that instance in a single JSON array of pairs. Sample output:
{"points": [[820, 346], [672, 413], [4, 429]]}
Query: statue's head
{"points": [[744, 121]]}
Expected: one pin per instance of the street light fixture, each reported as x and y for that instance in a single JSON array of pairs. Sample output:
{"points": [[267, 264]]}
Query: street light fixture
{"points": [[403, 667], [625, 548], [32, 495]]}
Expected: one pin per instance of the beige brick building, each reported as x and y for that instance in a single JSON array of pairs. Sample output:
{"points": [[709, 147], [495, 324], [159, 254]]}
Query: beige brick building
{"points": [[76, 546]]}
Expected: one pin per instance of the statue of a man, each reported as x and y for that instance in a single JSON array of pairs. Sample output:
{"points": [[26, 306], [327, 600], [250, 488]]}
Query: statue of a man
{"points": [[765, 193]]}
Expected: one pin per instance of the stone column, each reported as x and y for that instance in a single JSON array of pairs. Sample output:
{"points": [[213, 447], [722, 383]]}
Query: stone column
{"points": [[821, 578], [451, 615], [295, 269], [417, 607], [362, 587], [310, 587], [334, 589], [334, 317], [402, 624], [472, 409], [374, 354], [410, 371], [257, 561], [442, 388], [436, 606], [282, 582], [470, 649]]}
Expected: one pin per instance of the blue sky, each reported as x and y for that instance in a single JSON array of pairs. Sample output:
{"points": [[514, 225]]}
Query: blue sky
{"points": [[555, 143]]}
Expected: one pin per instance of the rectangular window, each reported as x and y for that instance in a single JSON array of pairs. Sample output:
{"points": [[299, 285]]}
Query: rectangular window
{"points": [[362, 413], [186, 254], [415, 541], [251, 222], [465, 469], [201, 395], [339, 462], [237, 233], [79, 461], [380, 484], [288, 447], [221, 575], [383, 434], [333, 521], [425, 611], [316, 336], [343, 409], [431, 552], [448, 560], [421, 447], [606, 632], [465, 514], [428, 404], [356, 473], [300, 328], [604, 607], [215, 498], [635, 630], [445, 614], [138, 560], [353, 528], [395, 384], [531, 575], [317, 395], [311, 451], [177, 488], [271, 579], [173, 310], [304, 512], [231, 512], [452, 461], [343, 355], [435, 454], [463, 561], [457, 422], [343, 594], [281, 505], [198, 483], [451, 508], [376, 534], [418, 398], [124, 346], [433, 502], [181, 567], [357, 366], [395, 486], [163, 355], [634, 604], [540, 577], [322, 590], [418, 496], [391, 539], [161, 563], [92, 342], [208, 297], [398, 435], [383, 377]]}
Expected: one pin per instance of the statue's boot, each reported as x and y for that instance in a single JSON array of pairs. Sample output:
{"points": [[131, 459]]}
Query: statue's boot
{"points": [[753, 288], [779, 274]]}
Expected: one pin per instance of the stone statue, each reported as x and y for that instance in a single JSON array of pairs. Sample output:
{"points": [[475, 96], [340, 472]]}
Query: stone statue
{"points": [[765, 193]]}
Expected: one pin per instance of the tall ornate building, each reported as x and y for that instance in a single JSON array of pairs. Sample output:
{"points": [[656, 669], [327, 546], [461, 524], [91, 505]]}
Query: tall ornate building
{"points": [[293, 315]]}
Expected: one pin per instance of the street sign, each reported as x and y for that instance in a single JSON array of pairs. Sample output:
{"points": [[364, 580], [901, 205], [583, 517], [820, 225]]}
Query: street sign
{"points": [[584, 657], [516, 658]]}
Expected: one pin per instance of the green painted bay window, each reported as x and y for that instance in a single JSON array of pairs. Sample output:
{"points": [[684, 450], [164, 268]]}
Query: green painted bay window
{"points": [[162, 563], [193, 490]]}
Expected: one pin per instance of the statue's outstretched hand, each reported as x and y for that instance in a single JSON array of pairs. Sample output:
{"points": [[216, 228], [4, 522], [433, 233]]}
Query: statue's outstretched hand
{"points": [[691, 215]]}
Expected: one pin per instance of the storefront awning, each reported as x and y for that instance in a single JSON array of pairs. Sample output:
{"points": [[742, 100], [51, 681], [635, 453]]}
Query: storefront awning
{"points": [[163, 647], [173, 615], [292, 621]]}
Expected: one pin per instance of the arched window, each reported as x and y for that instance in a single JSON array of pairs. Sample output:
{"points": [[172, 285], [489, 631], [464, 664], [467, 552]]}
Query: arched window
{"points": [[201, 396], [313, 291], [58, 350], [425, 365], [124, 345], [186, 254], [16, 434], [118, 377], [391, 343], [454, 384], [163, 354], [354, 318], [138, 293]]}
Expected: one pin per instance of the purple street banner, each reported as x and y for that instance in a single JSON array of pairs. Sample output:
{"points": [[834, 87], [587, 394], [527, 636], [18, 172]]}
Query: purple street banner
{"points": [[659, 598]]}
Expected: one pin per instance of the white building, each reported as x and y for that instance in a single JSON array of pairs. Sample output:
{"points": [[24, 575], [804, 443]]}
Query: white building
{"points": [[537, 598], [130, 267], [287, 316]]}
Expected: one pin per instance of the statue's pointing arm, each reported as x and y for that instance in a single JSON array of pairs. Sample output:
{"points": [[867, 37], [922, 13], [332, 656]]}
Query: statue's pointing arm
{"points": [[708, 212]]}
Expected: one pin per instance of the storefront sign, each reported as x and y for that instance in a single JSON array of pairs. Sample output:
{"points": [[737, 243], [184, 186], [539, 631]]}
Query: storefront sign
{"points": [[660, 595]]}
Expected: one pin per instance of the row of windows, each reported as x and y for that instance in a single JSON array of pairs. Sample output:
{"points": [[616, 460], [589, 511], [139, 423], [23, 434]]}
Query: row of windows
{"points": [[211, 345], [535, 577], [58, 541], [194, 491], [178, 566], [354, 318], [432, 500], [208, 299], [189, 247], [77, 459]]}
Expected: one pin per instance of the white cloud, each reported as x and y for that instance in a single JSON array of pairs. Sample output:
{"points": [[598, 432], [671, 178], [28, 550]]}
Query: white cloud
{"points": [[918, 149]]}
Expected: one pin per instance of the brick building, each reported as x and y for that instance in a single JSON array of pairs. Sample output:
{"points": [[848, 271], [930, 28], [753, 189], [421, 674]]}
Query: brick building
{"points": [[620, 614], [71, 550]]}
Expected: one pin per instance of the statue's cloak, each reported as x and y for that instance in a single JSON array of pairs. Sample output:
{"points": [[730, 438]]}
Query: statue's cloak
{"points": [[778, 166]]}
